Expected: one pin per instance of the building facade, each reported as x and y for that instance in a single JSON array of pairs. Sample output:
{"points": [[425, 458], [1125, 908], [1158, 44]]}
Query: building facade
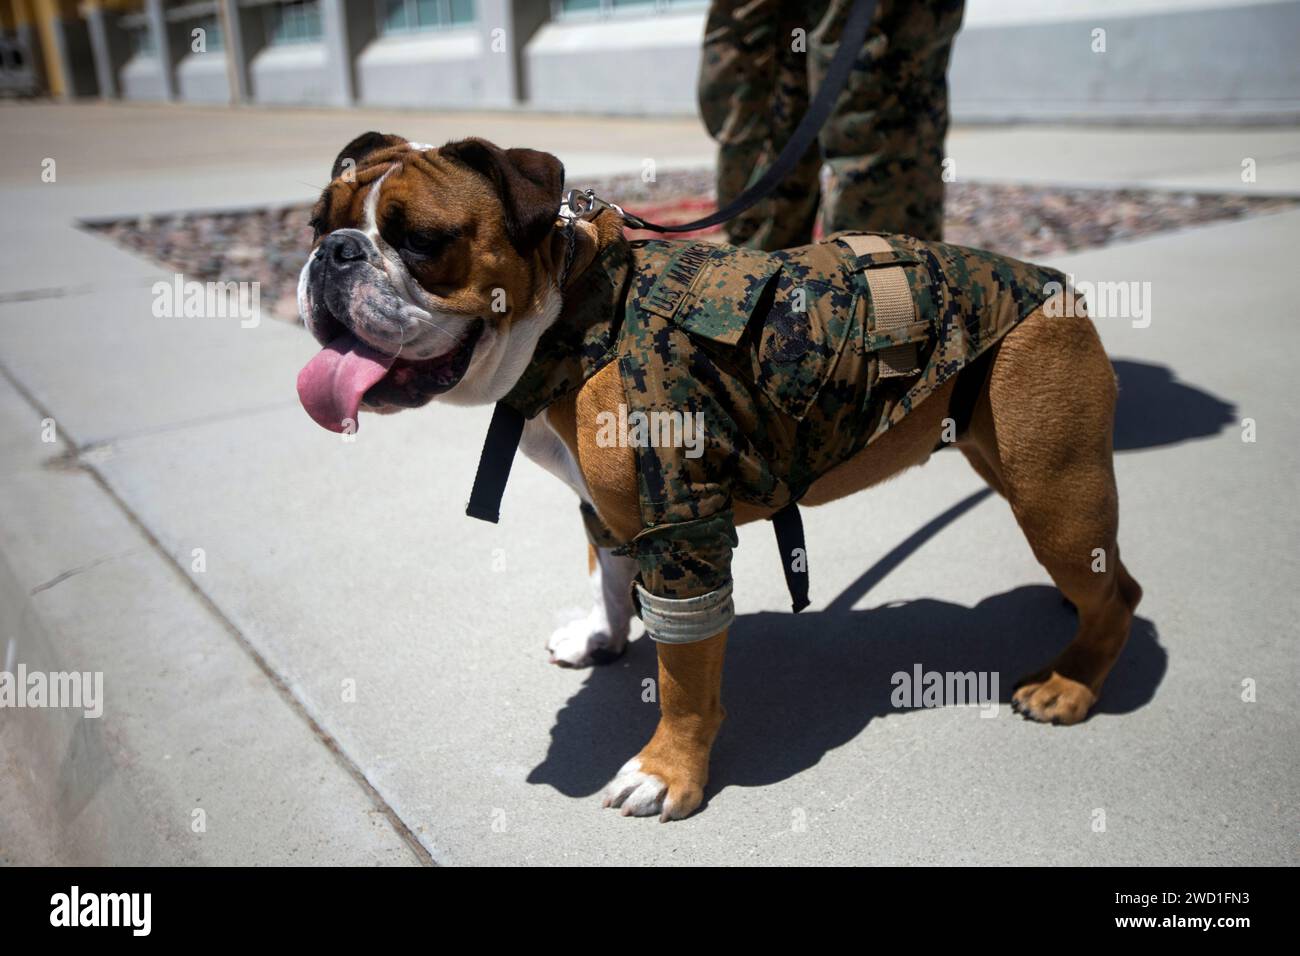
{"points": [[1201, 60]]}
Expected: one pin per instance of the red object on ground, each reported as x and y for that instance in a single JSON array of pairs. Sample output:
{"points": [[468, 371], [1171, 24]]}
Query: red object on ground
{"points": [[684, 210]]}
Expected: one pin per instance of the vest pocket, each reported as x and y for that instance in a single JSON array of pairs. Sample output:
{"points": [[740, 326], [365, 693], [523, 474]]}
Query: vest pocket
{"points": [[899, 321], [713, 297], [802, 337], [800, 304]]}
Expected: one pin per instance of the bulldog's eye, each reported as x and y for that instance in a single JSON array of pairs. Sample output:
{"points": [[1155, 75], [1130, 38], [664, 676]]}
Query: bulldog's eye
{"points": [[426, 244]]}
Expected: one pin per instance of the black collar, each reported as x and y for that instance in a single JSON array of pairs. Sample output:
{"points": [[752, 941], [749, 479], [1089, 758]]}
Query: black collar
{"points": [[582, 338]]}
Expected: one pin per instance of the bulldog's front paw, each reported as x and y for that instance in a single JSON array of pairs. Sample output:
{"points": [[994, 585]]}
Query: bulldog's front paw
{"points": [[668, 776], [645, 787], [1053, 699], [586, 642]]}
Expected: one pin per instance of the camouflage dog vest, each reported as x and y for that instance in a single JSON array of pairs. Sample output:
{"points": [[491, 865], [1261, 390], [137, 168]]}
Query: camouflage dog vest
{"points": [[748, 375]]}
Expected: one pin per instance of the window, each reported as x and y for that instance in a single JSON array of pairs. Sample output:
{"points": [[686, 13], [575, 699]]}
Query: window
{"points": [[402, 16], [605, 8], [295, 22], [142, 41]]}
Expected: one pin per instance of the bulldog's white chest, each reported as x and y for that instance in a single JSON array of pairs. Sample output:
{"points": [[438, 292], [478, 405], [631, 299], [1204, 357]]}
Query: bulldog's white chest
{"points": [[543, 445]]}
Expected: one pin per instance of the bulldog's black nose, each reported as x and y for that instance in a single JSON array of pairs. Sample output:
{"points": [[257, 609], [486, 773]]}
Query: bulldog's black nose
{"points": [[342, 247]]}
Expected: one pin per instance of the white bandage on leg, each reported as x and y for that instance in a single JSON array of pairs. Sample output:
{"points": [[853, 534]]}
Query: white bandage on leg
{"points": [[686, 620]]}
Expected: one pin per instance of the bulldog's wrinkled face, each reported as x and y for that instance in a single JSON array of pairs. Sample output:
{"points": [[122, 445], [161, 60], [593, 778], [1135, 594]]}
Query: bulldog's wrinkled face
{"points": [[432, 273]]}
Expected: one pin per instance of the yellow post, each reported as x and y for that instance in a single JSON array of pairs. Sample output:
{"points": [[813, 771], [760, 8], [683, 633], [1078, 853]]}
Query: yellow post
{"points": [[47, 13], [21, 12]]}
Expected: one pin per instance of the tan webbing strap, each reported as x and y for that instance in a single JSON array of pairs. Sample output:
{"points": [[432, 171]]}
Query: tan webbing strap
{"points": [[892, 308]]}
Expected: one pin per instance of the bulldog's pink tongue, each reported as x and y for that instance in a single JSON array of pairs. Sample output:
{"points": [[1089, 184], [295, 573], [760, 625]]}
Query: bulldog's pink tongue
{"points": [[330, 386]]}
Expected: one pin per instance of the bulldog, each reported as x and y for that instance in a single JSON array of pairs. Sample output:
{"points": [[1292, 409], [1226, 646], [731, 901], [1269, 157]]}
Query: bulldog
{"points": [[757, 381]]}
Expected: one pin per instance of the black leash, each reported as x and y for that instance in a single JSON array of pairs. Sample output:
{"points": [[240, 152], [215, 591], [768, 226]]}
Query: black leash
{"points": [[856, 27]]}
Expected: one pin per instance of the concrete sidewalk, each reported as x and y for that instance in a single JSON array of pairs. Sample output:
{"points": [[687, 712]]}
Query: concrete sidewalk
{"points": [[308, 641]]}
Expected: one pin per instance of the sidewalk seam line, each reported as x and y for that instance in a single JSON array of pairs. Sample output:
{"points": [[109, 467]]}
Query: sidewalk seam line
{"points": [[186, 424], [399, 825]]}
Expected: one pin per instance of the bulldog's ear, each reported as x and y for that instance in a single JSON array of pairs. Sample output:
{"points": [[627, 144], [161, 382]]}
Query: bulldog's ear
{"points": [[360, 148], [529, 182]]}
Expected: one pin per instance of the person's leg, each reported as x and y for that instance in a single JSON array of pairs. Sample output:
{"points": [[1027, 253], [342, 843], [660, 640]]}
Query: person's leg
{"points": [[884, 143], [753, 91]]}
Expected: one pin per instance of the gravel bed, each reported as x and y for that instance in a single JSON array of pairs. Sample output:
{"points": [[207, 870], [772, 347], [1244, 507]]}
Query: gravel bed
{"points": [[1028, 222]]}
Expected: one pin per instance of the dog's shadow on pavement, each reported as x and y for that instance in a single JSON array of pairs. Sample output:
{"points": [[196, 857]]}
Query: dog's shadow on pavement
{"points": [[799, 686], [1155, 409]]}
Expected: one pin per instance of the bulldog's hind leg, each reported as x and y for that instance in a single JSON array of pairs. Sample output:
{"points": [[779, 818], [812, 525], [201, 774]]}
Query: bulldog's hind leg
{"points": [[600, 636], [1041, 434]]}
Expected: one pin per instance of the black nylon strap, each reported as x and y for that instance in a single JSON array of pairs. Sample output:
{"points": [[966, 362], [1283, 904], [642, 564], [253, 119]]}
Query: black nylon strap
{"points": [[494, 464], [854, 35], [499, 448], [789, 541]]}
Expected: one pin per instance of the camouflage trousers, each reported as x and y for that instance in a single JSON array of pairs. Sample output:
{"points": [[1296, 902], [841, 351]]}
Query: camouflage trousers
{"points": [[882, 147]]}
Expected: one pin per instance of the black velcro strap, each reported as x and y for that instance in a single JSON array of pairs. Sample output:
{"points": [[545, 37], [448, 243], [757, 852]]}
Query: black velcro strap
{"points": [[494, 464], [794, 554]]}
